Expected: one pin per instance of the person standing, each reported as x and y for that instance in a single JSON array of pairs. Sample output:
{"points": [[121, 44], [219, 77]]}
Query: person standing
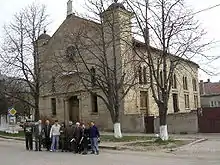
{"points": [[94, 138], [77, 135], [55, 134], [38, 134], [28, 130], [84, 139], [63, 137], [69, 136], [46, 131]]}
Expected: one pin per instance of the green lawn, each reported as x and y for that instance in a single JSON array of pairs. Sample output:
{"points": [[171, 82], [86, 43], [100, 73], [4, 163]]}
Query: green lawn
{"points": [[20, 134]]}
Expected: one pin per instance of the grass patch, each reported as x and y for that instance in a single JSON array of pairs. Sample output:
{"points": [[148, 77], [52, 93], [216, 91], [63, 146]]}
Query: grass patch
{"points": [[19, 134], [111, 138]]}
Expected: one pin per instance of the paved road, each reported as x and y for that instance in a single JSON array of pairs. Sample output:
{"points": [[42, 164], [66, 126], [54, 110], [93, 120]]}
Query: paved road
{"points": [[13, 153]]}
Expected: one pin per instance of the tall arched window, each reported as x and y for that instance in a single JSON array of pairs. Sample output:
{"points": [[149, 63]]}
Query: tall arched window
{"points": [[140, 75], [145, 74]]}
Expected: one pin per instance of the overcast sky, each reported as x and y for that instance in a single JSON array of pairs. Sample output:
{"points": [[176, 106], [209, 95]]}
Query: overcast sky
{"points": [[57, 11]]}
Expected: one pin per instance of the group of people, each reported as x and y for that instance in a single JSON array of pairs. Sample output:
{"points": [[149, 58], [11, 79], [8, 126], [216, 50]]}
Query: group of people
{"points": [[78, 138]]}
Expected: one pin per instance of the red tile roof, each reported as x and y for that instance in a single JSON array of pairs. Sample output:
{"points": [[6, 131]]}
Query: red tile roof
{"points": [[211, 88]]}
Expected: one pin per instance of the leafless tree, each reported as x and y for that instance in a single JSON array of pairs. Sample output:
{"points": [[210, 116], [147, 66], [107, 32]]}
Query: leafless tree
{"points": [[20, 53], [101, 56], [10, 90], [174, 35]]}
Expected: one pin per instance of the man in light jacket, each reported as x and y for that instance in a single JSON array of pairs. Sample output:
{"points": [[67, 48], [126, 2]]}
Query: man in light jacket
{"points": [[55, 134], [38, 133]]}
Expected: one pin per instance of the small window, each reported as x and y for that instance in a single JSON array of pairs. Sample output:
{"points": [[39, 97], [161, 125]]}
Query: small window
{"points": [[140, 75], [218, 103], [174, 84], [185, 83], [94, 100], [195, 101], [145, 75], [143, 99], [53, 107], [194, 84], [186, 99], [71, 52], [93, 74]]}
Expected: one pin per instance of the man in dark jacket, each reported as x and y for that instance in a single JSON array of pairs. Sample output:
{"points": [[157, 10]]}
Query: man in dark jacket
{"points": [[94, 138], [77, 135], [28, 130], [69, 136], [38, 134], [84, 139], [63, 137], [46, 131]]}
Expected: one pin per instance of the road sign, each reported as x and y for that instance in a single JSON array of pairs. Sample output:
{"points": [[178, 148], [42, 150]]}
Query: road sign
{"points": [[12, 111]]}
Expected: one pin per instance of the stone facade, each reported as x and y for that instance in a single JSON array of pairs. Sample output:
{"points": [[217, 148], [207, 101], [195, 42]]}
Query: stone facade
{"points": [[64, 97]]}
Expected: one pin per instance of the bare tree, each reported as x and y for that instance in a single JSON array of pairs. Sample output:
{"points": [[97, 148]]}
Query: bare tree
{"points": [[20, 53], [101, 56], [171, 28], [14, 94]]}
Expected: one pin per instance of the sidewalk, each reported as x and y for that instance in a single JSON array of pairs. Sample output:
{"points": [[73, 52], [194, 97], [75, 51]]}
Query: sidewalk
{"points": [[103, 145]]}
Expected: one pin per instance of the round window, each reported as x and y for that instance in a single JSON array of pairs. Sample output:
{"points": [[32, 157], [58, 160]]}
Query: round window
{"points": [[71, 52]]}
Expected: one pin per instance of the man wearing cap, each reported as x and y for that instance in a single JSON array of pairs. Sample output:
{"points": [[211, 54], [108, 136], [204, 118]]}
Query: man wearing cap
{"points": [[77, 135]]}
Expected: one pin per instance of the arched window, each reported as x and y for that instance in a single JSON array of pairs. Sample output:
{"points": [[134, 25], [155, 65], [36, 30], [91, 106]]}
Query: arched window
{"points": [[140, 75], [93, 74], [174, 83], [145, 74]]}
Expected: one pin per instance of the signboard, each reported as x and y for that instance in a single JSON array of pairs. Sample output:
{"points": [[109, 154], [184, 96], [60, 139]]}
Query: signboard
{"points": [[12, 111]]}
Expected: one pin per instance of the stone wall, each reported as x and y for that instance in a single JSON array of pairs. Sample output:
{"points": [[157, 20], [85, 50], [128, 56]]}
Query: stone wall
{"points": [[180, 123]]}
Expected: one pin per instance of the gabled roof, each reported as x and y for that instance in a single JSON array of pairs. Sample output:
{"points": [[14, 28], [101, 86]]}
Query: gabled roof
{"points": [[137, 43], [142, 44]]}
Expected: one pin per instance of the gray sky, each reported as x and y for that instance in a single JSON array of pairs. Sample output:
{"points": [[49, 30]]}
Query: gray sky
{"points": [[57, 11]]}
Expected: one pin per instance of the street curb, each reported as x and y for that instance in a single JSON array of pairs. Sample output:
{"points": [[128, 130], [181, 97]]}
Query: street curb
{"points": [[190, 144], [22, 139], [12, 138]]}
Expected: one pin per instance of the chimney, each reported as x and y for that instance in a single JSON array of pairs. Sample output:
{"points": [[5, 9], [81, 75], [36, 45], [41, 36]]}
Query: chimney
{"points": [[208, 80], [69, 8], [201, 87], [146, 29]]}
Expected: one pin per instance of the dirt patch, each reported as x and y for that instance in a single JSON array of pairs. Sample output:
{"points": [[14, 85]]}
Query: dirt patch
{"points": [[155, 145]]}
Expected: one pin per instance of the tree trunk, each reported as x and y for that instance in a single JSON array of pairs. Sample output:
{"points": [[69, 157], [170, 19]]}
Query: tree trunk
{"points": [[36, 113], [163, 122]]}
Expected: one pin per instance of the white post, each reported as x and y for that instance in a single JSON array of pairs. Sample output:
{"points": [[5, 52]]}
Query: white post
{"points": [[117, 130]]}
